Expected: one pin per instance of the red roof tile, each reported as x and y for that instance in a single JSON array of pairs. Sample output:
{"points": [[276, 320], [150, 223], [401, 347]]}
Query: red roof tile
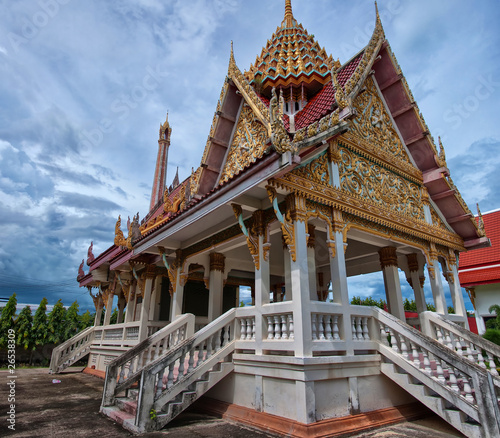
{"points": [[485, 256], [480, 276]]}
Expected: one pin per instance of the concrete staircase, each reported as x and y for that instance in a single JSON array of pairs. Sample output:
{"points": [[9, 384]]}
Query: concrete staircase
{"points": [[71, 351], [172, 381], [455, 387], [124, 411]]}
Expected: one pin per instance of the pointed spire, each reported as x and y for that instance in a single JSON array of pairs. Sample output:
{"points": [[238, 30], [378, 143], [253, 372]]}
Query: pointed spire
{"points": [[442, 155], [288, 13], [480, 220]]}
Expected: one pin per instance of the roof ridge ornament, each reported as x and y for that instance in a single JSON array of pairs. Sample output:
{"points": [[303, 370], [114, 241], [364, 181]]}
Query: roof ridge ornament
{"points": [[480, 221], [340, 96], [442, 154], [288, 14]]}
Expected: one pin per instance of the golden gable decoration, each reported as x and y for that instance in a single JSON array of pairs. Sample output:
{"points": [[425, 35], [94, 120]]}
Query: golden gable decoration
{"points": [[249, 143]]}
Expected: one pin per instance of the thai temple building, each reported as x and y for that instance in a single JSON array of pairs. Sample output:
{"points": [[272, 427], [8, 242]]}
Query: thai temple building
{"points": [[479, 271], [313, 171]]}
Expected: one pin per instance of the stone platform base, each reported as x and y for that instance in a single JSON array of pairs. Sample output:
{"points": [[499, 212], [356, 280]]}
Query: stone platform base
{"points": [[334, 427], [96, 373]]}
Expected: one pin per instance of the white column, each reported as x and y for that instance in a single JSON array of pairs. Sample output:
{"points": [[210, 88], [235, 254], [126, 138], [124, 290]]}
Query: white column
{"points": [[416, 273], [216, 285], [177, 298], [338, 271], [311, 263], [98, 312], [437, 287], [288, 274], [109, 308], [146, 300], [132, 298], [262, 290], [121, 306], [456, 293], [154, 306], [389, 264], [301, 293], [305, 402]]}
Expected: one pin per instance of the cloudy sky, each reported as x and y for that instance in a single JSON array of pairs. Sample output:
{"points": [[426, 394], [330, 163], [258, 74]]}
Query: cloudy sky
{"points": [[85, 85]]}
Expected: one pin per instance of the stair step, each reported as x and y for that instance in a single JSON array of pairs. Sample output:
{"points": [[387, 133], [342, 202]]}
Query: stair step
{"points": [[127, 405], [117, 414]]}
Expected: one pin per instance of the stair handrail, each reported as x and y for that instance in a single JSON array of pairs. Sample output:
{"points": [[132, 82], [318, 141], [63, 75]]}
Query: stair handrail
{"points": [[69, 348], [454, 337], [126, 369], [480, 400], [216, 338]]}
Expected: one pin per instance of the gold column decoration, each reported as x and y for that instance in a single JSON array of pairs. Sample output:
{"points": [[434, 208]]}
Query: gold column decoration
{"points": [[311, 240], [471, 292], [252, 238], [432, 256], [333, 151], [412, 262], [105, 294], [217, 261], [95, 298], [388, 257], [286, 222]]}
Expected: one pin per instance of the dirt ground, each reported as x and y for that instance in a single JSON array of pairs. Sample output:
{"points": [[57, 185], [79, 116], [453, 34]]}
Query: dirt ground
{"points": [[70, 409]]}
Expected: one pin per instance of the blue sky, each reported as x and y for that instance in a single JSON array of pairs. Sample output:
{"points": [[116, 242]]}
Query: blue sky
{"points": [[85, 85]]}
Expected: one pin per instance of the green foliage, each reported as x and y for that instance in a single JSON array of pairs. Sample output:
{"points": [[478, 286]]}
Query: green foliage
{"points": [[55, 323], [72, 323], [431, 307], [86, 320], [368, 301], [410, 305], [114, 316], [40, 332], [7, 321], [492, 335], [494, 323], [24, 329]]}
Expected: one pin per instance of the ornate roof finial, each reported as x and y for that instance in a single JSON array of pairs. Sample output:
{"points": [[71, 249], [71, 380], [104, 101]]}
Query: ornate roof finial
{"points": [[340, 96], [442, 155], [288, 13], [480, 221]]}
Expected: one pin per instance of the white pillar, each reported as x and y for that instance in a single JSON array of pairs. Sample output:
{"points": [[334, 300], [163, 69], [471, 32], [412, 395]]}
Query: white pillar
{"points": [[121, 306], [338, 271], [416, 274], [437, 287], [288, 274], [98, 312], [456, 293], [262, 289], [154, 306], [301, 293], [146, 300], [109, 308], [389, 264], [177, 297], [216, 285], [132, 298], [311, 262]]}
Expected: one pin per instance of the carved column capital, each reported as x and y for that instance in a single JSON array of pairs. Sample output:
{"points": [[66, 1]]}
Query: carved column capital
{"points": [[217, 262], [412, 262], [333, 151], [311, 240], [388, 257]]}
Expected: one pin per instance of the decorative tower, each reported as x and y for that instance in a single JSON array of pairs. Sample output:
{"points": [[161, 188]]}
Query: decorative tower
{"points": [[160, 178]]}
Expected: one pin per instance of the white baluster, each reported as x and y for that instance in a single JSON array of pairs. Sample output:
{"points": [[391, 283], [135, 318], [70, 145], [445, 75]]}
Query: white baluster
{"points": [[191, 360], [159, 383], [243, 326], [480, 359], [335, 328], [328, 323], [447, 339], [277, 327], [439, 334], [291, 333], [182, 360], [394, 341], [270, 328], [383, 335], [366, 332], [458, 346], [253, 328], [415, 355], [439, 371], [314, 329], [284, 334], [170, 378], [404, 347], [427, 363], [321, 328], [467, 389], [491, 363], [353, 328], [453, 380], [249, 329]]}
